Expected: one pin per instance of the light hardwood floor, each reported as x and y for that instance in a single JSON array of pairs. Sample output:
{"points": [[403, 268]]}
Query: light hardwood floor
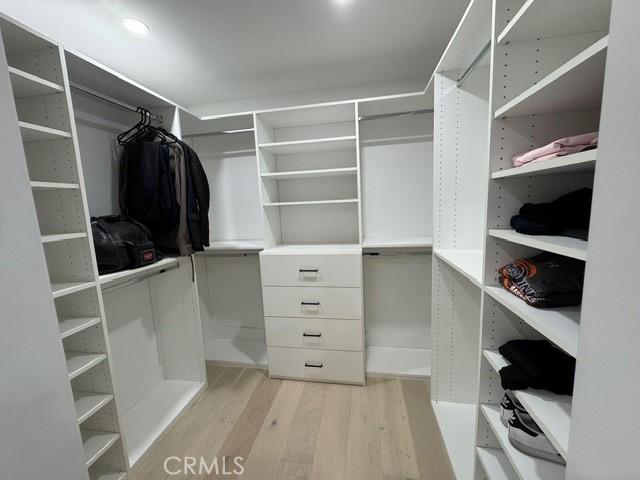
{"points": [[298, 430]]}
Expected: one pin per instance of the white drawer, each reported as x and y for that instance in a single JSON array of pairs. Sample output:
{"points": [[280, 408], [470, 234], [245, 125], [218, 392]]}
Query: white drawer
{"points": [[320, 333], [319, 365], [335, 270], [309, 302]]}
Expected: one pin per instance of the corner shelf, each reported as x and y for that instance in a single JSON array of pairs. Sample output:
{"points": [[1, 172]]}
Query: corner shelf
{"points": [[561, 325], [566, 246], [71, 325], [88, 403], [525, 466], [495, 464], [80, 362], [37, 133], [582, 162], [570, 17], [576, 85], [61, 237], [303, 174], [310, 202], [309, 146], [466, 262], [96, 444], [550, 411], [25, 84]]}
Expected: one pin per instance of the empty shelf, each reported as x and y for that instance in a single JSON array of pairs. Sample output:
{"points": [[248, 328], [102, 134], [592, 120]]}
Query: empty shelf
{"points": [[561, 325], [583, 162], [232, 245], [104, 474], [130, 274], [525, 466], [575, 86], [37, 133], [457, 424], [311, 202], [96, 443], [398, 362], [302, 174], [54, 186], [397, 243], [314, 248], [466, 262], [70, 325], [80, 362], [88, 403], [570, 17], [495, 464], [550, 411], [25, 84], [309, 146], [60, 289], [567, 246], [227, 351], [61, 237]]}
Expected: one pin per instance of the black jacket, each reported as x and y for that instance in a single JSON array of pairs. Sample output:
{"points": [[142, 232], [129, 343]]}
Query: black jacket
{"points": [[198, 198]]}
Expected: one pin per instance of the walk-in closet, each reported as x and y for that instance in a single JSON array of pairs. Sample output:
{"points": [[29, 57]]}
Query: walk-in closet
{"points": [[331, 239]]}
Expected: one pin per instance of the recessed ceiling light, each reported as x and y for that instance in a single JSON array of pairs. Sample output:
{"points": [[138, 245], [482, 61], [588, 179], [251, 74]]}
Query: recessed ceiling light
{"points": [[136, 26]]}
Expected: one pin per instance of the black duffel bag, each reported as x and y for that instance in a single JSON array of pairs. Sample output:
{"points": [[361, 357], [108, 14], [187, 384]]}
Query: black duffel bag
{"points": [[122, 243]]}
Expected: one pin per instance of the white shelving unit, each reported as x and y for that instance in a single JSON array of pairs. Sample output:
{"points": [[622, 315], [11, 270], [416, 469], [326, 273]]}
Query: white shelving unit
{"points": [[457, 422], [582, 162], [25, 84], [88, 403], [79, 362], [310, 146], [321, 173], [38, 133], [495, 464], [567, 246], [70, 325], [466, 262]]}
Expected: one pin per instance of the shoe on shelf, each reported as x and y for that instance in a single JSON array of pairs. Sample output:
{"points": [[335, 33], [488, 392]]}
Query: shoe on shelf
{"points": [[526, 436], [508, 405]]}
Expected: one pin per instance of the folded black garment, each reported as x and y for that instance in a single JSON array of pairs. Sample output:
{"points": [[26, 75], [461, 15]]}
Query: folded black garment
{"points": [[537, 364], [568, 216], [545, 281]]}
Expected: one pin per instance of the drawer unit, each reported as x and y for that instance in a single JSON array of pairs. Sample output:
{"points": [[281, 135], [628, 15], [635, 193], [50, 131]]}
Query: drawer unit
{"points": [[318, 302], [317, 365], [331, 270], [318, 333]]}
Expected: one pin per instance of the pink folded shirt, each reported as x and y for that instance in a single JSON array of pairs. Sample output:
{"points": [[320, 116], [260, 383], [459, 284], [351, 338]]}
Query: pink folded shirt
{"points": [[557, 148]]}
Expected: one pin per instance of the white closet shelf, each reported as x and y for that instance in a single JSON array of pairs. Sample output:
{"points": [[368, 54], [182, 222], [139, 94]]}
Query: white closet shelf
{"points": [[575, 86], [146, 421], [397, 243], [302, 174], [61, 237], [561, 325], [53, 186], [69, 325], [109, 278], [570, 17], [550, 411], [582, 162], [567, 246], [104, 474], [495, 464], [60, 289], [96, 443], [88, 403], [311, 248], [398, 362], [525, 466], [466, 262], [242, 245], [80, 362], [311, 202], [25, 84], [228, 351], [38, 133], [331, 144], [457, 423]]}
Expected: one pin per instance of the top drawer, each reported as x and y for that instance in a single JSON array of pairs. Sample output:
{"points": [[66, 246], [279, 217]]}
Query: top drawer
{"points": [[333, 270]]}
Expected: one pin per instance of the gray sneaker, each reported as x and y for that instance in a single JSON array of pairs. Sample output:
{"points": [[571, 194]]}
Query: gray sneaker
{"points": [[526, 436]]}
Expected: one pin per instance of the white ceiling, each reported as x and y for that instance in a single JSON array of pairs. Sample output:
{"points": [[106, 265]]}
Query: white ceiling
{"points": [[215, 56]]}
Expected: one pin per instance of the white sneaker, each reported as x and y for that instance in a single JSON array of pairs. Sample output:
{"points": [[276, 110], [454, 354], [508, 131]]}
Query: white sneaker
{"points": [[526, 436]]}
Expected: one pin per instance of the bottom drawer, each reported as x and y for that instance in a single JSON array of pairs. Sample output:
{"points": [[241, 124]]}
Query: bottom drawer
{"points": [[317, 365], [317, 333]]}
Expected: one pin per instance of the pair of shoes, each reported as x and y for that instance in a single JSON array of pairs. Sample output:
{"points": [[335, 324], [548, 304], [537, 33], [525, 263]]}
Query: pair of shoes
{"points": [[524, 433]]}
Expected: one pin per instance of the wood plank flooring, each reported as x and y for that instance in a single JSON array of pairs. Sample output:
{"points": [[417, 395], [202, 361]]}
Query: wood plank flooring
{"points": [[303, 430]]}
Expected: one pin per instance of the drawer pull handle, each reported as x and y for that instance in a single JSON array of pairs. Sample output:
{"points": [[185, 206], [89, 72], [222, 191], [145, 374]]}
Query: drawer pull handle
{"points": [[317, 335], [313, 304], [308, 270], [313, 364]]}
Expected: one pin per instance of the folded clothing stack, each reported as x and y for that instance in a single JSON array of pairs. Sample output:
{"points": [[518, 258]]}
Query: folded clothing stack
{"points": [[537, 364], [545, 281], [567, 216], [558, 148]]}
